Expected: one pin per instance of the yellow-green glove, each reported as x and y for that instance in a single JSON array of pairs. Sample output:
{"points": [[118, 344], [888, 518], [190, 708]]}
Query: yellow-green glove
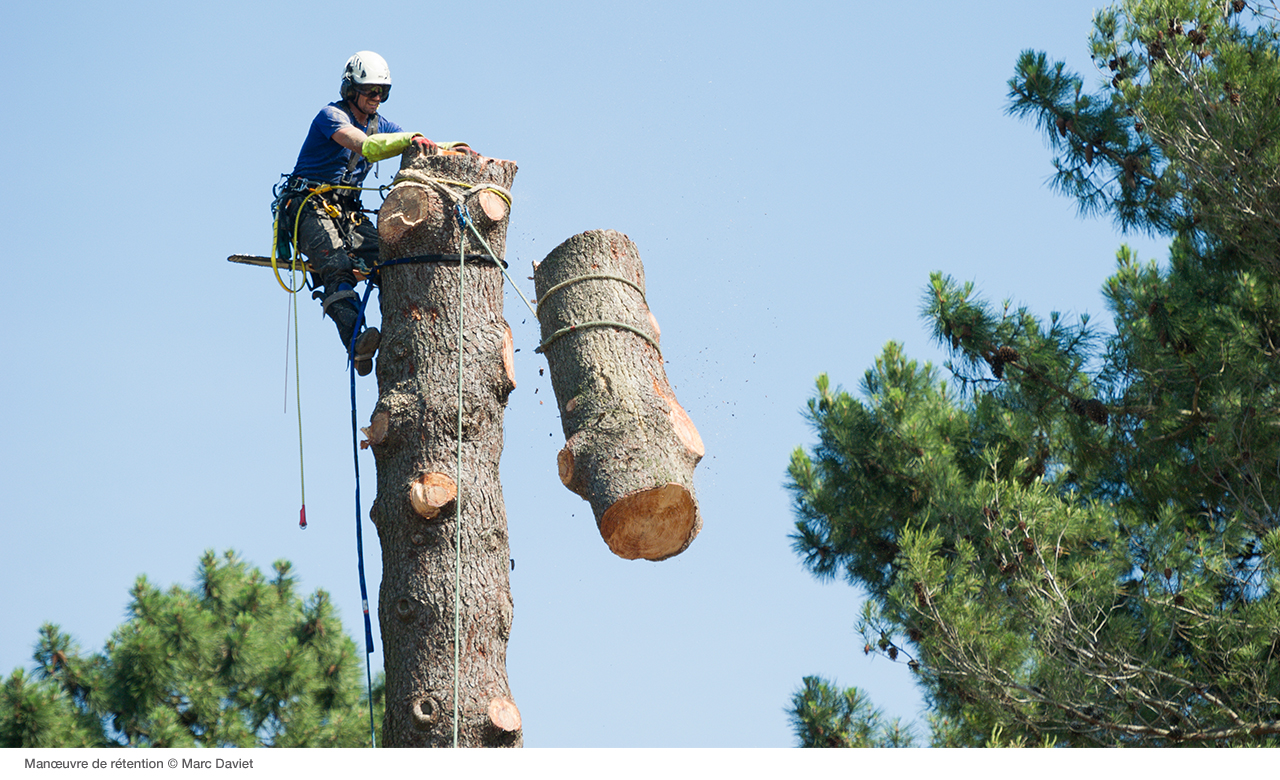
{"points": [[380, 146]]}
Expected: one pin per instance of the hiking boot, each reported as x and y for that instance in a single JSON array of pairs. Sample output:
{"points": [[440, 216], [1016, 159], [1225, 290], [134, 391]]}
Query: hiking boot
{"points": [[366, 347]]}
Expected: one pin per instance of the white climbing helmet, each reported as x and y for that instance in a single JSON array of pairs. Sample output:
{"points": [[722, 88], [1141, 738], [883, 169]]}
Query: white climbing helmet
{"points": [[365, 68]]}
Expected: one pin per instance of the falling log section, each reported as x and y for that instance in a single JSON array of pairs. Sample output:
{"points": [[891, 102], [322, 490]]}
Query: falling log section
{"points": [[414, 432], [630, 448]]}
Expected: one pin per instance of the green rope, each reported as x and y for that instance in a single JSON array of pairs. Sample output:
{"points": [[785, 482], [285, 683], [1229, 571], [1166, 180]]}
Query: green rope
{"points": [[549, 340], [595, 323], [557, 288], [502, 265], [457, 549]]}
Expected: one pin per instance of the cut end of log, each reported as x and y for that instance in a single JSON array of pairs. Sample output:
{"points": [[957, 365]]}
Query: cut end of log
{"points": [[652, 524], [504, 714], [430, 492]]}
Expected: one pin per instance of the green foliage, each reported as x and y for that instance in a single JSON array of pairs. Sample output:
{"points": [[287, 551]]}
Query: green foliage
{"points": [[236, 661], [1184, 136], [1074, 540], [823, 716]]}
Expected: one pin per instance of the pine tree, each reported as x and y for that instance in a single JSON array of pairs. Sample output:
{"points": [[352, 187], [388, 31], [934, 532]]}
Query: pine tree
{"points": [[1074, 539], [823, 716], [238, 660]]}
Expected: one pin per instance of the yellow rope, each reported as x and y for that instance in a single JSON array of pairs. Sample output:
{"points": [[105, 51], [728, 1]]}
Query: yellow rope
{"points": [[331, 210], [495, 189]]}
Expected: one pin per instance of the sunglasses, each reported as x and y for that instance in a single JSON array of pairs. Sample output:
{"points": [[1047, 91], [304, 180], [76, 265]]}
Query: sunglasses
{"points": [[378, 91]]}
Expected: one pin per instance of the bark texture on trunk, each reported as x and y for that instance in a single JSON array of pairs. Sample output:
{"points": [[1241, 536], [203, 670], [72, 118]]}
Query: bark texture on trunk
{"points": [[630, 448], [415, 439]]}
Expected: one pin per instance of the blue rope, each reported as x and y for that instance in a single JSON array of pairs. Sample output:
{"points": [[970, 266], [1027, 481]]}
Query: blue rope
{"points": [[355, 450]]}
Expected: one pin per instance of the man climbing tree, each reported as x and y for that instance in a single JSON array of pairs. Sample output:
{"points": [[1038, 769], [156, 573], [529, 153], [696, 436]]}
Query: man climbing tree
{"points": [[345, 138], [1077, 541]]}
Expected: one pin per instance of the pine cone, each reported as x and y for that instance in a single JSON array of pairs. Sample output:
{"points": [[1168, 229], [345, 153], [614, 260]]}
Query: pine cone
{"points": [[1237, 5], [1077, 406], [1008, 354], [1197, 37], [997, 367], [1097, 411]]}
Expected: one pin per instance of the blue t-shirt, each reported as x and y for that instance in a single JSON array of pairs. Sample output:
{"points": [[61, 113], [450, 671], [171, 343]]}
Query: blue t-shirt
{"points": [[324, 159]]}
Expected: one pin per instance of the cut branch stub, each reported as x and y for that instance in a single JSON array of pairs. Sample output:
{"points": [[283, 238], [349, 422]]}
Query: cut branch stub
{"points": [[376, 433], [630, 448], [503, 714], [430, 493]]}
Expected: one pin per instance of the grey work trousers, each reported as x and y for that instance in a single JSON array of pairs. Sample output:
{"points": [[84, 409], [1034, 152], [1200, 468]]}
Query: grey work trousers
{"points": [[335, 247]]}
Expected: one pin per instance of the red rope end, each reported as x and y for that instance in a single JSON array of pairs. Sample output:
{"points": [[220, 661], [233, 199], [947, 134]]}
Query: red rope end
{"points": [[302, 518]]}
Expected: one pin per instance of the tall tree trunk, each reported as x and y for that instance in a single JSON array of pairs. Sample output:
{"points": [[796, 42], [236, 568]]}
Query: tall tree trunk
{"points": [[424, 506]]}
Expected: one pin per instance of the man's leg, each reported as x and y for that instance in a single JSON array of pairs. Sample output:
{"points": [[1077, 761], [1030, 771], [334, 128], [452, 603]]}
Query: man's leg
{"points": [[363, 239], [320, 241]]}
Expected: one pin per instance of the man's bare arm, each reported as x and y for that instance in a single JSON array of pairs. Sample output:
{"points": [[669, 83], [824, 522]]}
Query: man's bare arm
{"points": [[350, 137]]}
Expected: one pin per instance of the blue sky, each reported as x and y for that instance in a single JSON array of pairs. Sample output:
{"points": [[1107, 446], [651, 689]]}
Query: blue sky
{"points": [[790, 174]]}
